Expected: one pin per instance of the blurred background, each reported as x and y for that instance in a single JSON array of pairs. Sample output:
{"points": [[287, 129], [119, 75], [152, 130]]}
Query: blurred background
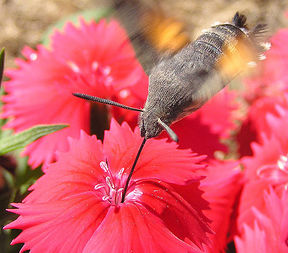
{"points": [[25, 22]]}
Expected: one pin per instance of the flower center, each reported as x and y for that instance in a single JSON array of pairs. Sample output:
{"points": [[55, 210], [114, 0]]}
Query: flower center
{"points": [[112, 187], [102, 73]]}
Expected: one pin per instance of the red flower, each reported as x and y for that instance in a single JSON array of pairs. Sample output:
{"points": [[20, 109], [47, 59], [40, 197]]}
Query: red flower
{"points": [[256, 123], [265, 90], [271, 78], [220, 113], [76, 206], [221, 188], [253, 240], [268, 167], [94, 58], [203, 130], [269, 232]]}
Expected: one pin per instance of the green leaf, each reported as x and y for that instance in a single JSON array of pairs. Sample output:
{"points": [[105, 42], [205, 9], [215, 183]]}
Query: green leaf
{"points": [[93, 14], [2, 57], [20, 140]]}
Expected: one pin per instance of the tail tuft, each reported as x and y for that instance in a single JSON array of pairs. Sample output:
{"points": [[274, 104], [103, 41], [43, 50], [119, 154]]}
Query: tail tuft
{"points": [[239, 20], [260, 30]]}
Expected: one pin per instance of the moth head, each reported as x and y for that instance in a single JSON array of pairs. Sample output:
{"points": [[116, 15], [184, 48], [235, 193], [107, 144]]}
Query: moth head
{"points": [[149, 127]]}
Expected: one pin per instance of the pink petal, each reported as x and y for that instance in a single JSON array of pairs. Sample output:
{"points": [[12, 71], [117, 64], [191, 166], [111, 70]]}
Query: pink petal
{"points": [[95, 58], [158, 159], [221, 188], [253, 240], [133, 229], [178, 215], [59, 226]]}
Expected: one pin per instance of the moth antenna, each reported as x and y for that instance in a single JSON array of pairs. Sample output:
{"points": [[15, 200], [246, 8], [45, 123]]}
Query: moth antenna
{"points": [[132, 169], [170, 132], [105, 101]]}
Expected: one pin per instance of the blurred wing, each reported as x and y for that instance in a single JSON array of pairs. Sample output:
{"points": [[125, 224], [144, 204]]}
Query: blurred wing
{"points": [[236, 58], [153, 34], [237, 55]]}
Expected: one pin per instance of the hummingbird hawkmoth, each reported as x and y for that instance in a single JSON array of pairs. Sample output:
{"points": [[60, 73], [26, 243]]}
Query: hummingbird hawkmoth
{"points": [[181, 82]]}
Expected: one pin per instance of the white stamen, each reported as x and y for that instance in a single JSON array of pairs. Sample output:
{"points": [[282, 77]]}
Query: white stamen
{"points": [[120, 173], [98, 186], [120, 190], [104, 198], [73, 66], [95, 65], [109, 183], [112, 188], [107, 70], [104, 166]]}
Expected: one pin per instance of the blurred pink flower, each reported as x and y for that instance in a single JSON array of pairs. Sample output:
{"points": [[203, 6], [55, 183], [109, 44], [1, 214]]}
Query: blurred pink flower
{"points": [[96, 59], [221, 189], [76, 206], [203, 130], [253, 240], [268, 167], [255, 125], [220, 113], [271, 79], [264, 91], [269, 233]]}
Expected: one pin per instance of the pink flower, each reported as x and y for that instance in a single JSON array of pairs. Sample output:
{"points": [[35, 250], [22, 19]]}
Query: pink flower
{"points": [[271, 79], [255, 125], [268, 167], [273, 145], [264, 91], [203, 130], [253, 240], [76, 206], [221, 189], [270, 230], [220, 113], [96, 59]]}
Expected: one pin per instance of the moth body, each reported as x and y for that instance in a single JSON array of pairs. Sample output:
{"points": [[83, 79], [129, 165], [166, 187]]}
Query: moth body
{"points": [[182, 83]]}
